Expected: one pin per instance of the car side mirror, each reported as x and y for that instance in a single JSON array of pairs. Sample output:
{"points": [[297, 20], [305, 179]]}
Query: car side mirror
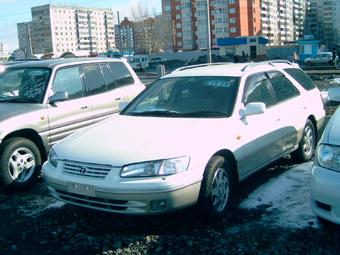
{"points": [[333, 94], [253, 109], [57, 97]]}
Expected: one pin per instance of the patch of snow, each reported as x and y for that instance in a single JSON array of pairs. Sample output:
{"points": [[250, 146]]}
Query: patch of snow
{"points": [[286, 198], [56, 204]]}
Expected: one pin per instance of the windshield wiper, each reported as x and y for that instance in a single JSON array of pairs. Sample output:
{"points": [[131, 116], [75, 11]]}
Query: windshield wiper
{"points": [[204, 114], [156, 113]]}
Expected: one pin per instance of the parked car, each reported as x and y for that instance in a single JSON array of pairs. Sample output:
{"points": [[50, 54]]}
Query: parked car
{"points": [[322, 58], [139, 62], [156, 61], [325, 174], [189, 139], [41, 102]]}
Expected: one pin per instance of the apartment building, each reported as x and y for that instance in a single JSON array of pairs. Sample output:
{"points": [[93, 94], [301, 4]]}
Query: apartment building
{"points": [[24, 38], [227, 18], [4, 51], [280, 21], [58, 29], [324, 21], [124, 36]]}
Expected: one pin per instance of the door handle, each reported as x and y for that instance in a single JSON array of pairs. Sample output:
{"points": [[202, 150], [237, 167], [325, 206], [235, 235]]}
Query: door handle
{"points": [[84, 107], [278, 119], [118, 98]]}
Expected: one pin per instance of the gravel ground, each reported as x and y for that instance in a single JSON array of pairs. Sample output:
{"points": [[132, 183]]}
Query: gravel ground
{"points": [[32, 222]]}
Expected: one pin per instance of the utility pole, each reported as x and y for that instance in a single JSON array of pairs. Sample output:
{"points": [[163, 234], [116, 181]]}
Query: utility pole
{"points": [[209, 35]]}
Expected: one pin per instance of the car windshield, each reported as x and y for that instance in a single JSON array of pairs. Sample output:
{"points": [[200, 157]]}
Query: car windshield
{"points": [[26, 85], [187, 97]]}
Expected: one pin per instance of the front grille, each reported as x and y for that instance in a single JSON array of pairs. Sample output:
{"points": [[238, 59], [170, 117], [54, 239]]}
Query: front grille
{"points": [[99, 203], [86, 169]]}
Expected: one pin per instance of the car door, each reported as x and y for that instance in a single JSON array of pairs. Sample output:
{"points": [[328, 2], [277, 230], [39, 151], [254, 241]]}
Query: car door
{"points": [[290, 109], [259, 138], [108, 86], [103, 104], [73, 113]]}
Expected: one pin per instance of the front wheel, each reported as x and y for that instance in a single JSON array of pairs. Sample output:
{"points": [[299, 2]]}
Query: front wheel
{"points": [[306, 147], [20, 162], [217, 187]]}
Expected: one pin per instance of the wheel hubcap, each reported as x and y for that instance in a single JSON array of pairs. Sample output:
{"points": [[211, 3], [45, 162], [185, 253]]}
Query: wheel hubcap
{"points": [[21, 164], [220, 190], [308, 139]]}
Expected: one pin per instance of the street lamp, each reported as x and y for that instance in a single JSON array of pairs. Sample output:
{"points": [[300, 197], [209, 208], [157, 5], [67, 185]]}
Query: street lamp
{"points": [[208, 32]]}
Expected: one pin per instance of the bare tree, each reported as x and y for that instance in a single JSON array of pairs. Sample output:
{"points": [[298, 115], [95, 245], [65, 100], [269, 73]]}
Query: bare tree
{"points": [[147, 29]]}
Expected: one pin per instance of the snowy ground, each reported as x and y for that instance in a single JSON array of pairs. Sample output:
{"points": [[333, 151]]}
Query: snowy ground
{"points": [[286, 199]]}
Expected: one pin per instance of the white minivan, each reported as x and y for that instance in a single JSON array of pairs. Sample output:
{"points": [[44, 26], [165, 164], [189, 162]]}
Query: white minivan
{"points": [[139, 62]]}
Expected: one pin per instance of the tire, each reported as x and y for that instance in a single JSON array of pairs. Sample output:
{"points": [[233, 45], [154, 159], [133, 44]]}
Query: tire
{"points": [[20, 163], [217, 188], [307, 144]]}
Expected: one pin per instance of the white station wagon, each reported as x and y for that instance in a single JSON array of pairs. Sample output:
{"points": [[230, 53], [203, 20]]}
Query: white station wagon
{"points": [[189, 139]]}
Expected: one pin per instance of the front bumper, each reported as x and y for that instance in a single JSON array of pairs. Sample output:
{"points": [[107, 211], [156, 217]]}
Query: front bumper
{"points": [[129, 200], [325, 196]]}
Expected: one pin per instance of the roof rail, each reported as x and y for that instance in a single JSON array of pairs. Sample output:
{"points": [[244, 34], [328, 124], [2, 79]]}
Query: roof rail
{"points": [[268, 62], [199, 65]]}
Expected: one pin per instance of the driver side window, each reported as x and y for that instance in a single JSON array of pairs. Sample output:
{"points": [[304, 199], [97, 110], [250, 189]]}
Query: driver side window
{"points": [[258, 89], [68, 80]]}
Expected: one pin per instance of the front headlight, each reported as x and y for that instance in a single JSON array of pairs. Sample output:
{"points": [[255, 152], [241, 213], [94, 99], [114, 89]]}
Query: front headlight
{"points": [[328, 156], [53, 158], [156, 168]]}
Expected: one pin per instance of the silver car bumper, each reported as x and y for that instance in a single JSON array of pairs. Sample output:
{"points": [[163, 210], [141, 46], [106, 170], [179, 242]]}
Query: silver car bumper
{"points": [[111, 199], [325, 186]]}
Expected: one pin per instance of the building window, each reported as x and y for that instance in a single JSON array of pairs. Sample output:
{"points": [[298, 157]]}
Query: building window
{"points": [[233, 30], [232, 10], [232, 20]]}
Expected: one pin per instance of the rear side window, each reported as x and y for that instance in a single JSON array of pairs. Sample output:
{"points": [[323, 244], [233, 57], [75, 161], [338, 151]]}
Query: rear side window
{"points": [[68, 80], [121, 74], [94, 79], [283, 88], [301, 77]]}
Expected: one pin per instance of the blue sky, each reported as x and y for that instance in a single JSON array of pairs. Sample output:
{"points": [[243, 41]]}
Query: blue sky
{"points": [[16, 11]]}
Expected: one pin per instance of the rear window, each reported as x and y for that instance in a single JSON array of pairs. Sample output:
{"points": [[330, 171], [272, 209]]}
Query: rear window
{"points": [[301, 77], [121, 74]]}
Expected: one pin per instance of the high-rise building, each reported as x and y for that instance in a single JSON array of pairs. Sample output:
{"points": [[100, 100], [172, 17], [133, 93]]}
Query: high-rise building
{"points": [[124, 36], [283, 21], [3, 49], [58, 29], [228, 18], [323, 21], [280, 21], [24, 37]]}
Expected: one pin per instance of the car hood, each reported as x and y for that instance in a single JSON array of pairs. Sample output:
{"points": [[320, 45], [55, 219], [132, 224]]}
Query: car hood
{"points": [[332, 131], [126, 139], [8, 110]]}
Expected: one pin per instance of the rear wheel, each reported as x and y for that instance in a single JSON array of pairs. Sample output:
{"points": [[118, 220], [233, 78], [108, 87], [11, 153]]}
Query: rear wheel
{"points": [[217, 187], [20, 162], [306, 147]]}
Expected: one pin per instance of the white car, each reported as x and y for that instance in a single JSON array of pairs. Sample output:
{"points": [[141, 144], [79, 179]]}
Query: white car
{"points": [[189, 139], [322, 58], [138, 62], [325, 174]]}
